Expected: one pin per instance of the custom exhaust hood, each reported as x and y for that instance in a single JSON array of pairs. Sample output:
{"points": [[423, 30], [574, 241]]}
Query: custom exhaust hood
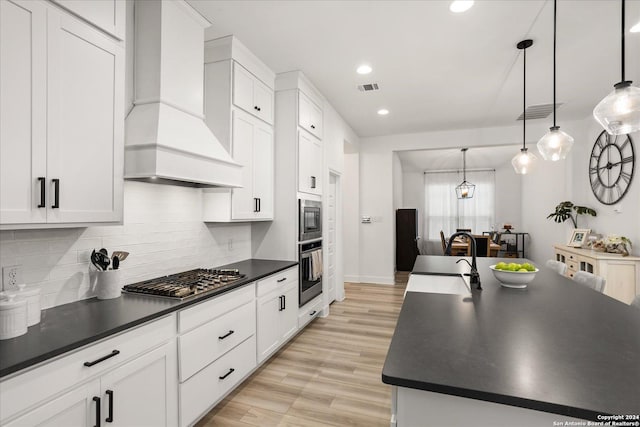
{"points": [[166, 137]]}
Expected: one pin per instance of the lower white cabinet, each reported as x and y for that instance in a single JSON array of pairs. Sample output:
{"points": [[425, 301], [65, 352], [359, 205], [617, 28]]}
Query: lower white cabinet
{"points": [[121, 387], [277, 318]]}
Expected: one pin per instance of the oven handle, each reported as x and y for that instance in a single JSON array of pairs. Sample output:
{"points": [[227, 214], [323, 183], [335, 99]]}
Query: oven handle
{"points": [[308, 251]]}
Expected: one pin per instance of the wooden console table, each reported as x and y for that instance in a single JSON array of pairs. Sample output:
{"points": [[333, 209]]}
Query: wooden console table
{"points": [[621, 273]]}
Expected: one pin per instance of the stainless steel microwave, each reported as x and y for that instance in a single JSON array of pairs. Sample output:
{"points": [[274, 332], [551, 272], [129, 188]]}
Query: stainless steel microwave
{"points": [[310, 220]]}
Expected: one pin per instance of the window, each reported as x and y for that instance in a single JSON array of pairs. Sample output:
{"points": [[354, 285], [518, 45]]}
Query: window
{"points": [[444, 211]]}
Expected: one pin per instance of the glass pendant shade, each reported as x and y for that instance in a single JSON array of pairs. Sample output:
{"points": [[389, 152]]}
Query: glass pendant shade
{"points": [[523, 162], [465, 190], [619, 112], [555, 144]]}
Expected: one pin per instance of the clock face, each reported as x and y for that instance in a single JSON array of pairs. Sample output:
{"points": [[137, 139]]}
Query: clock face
{"points": [[611, 167]]}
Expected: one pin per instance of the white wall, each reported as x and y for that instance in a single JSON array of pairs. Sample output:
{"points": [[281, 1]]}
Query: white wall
{"points": [[413, 198], [162, 231]]}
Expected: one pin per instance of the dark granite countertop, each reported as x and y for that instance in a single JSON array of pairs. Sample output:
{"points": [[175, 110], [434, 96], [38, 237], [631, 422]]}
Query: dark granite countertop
{"points": [[555, 346], [71, 326]]}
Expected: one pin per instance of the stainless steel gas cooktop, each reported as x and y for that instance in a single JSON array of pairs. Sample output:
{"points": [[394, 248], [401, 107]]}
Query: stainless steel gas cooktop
{"points": [[188, 284]]}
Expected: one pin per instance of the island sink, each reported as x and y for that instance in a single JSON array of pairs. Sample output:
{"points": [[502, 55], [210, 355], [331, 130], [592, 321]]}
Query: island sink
{"points": [[439, 284]]}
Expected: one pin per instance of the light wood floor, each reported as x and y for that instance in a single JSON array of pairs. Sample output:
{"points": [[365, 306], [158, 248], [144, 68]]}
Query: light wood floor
{"points": [[330, 374]]}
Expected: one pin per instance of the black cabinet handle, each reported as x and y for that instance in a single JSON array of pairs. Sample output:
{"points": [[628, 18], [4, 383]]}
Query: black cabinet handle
{"points": [[279, 302], [97, 400], [255, 107], [312, 313], [226, 335], [43, 191], [284, 302], [109, 418], [255, 204], [56, 193], [313, 182], [281, 280], [313, 126], [227, 374], [259, 204], [102, 359]]}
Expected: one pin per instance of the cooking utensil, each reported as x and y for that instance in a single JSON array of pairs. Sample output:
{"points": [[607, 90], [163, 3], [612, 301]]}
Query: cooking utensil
{"points": [[103, 260], [95, 260], [104, 251], [115, 262], [121, 255]]}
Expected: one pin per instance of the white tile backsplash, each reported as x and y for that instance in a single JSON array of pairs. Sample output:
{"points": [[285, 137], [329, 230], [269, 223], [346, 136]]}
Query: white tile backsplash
{"points": [[162, 231]]}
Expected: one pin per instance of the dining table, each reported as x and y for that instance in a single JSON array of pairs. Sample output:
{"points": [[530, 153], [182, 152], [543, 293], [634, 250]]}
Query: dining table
{"points": [[461, 245]]}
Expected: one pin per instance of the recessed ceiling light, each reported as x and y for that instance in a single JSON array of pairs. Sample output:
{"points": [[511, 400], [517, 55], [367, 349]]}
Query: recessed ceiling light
{"points": [[364, 69], [635, 28], [383, 111], [460, 6]]}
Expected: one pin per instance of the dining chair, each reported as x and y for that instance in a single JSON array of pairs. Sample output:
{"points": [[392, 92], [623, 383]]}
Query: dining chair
{"points": [[636, 302], [444, 243], [483, 245], [591, 280], [557, 266]]}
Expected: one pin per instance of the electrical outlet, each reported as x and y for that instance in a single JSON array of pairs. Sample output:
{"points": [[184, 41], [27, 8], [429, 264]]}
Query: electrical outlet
{"points": [[11, 277]]}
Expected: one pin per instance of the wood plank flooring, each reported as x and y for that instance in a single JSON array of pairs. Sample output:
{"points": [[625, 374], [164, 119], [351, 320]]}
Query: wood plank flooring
{"points": [[328, 375]]}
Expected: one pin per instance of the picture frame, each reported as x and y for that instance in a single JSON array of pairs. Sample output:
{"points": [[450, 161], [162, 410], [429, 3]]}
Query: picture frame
{"points": [[579, 237]]}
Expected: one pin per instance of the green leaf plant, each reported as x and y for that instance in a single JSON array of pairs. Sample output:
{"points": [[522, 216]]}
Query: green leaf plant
{"points": [[567, 210]]}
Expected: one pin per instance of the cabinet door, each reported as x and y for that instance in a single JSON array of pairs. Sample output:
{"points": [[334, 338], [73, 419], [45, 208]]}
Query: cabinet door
{"points": [[243, 89], [142, 392], [263, 178], [309, 164], [76, 408], [289, 316], [243, 205], [263, 100], [268, 322], [85, 123], [23, 114], [109, 15], [309, 115]]}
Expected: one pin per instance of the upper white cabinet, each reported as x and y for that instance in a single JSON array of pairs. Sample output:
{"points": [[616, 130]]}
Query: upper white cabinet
{"points": [[309, 163], [62, 114], [251, 94], [108, 15], [239, 109], [309, 115]]}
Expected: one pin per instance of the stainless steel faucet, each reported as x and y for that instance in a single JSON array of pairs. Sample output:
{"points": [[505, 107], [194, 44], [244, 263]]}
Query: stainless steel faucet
{"points": [[473, 274]]}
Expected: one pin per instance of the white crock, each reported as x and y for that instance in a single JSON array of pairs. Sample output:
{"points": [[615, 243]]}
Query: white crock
{"points": [[13, 317]]}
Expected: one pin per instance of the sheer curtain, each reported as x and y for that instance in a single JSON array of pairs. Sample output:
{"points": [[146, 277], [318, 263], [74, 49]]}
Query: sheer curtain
{"points": [[444, 211]]}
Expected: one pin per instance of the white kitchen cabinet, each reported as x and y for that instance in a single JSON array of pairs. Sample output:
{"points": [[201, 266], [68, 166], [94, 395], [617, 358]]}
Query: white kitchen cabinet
{"points": [[309, 163], [63, 119], [135, 372], [108, 15], [250, 94], [309, 115], [239, 111], [277, 313], [622, 274]]}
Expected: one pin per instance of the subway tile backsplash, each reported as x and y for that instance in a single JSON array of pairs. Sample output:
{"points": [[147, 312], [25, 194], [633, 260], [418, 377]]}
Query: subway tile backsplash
{"points": [[162, 230]]}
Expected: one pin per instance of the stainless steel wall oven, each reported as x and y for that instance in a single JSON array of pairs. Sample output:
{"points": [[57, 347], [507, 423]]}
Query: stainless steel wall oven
{"points": [[310, 220], [310, 281]]}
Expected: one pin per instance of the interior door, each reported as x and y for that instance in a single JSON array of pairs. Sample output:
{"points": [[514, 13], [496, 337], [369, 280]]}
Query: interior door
{"points": [[85, 123], [23, 112], [331, 238]]}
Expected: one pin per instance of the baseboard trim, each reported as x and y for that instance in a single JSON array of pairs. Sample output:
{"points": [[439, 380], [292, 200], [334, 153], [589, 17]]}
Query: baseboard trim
{"points": [[378, 280], [352, 279]]}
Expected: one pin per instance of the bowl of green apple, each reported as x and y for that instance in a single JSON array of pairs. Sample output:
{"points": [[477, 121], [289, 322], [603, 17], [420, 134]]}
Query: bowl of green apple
{"points": [[514, 275]]}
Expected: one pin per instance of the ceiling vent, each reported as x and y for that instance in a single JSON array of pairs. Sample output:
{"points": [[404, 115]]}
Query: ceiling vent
{"points": [[540, 111], [368, 87]]}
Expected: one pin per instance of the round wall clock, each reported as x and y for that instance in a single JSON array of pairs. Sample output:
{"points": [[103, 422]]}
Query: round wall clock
{"points": [[611, 167]]}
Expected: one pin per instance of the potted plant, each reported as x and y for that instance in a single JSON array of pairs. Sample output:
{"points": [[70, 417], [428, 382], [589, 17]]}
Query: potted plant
{"points": [[565, 211]]}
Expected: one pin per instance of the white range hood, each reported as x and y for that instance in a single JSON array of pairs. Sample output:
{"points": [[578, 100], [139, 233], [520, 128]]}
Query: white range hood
{"points": [[166, 137]]}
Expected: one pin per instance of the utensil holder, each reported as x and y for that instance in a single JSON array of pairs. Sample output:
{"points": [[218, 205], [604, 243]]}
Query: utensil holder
{"points": [[108, 284]]}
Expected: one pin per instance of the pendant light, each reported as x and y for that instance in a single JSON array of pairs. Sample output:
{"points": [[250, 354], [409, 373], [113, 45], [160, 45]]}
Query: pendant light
{"points": [[466, 189], [619, 112], [524, 161], [555, 144]]}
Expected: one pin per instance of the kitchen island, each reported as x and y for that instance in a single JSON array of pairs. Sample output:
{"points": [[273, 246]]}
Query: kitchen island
{"points": [[554, 351]]}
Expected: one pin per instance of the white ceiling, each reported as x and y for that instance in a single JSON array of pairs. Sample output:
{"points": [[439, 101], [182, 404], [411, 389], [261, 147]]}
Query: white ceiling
{"points": [[451, 159], [437, 70]]}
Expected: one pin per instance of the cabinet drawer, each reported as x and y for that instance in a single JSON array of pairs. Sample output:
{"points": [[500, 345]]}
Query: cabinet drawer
{"points": [[203, 345], [214, 307], [27, 389], [208, 386], [309, 312], [309, 115], [572, 265], [277, 280]]}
